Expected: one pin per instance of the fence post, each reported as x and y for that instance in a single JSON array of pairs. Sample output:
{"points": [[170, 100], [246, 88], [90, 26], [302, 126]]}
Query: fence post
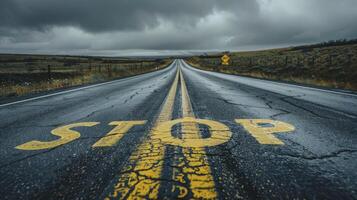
{"points": [[49, 72], [349, 58], [90, 66], [109, 70], [331, 58]]}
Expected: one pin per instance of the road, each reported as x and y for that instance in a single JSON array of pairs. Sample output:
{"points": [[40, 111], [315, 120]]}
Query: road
{"points": [[181, 133]]}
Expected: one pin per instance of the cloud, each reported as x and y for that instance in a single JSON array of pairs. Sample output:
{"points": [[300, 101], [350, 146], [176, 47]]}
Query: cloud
{"points": [[123, 26]]}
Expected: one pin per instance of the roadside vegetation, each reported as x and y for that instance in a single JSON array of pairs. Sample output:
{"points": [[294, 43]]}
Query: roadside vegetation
{"points": [[330, 64], [24, 74]]}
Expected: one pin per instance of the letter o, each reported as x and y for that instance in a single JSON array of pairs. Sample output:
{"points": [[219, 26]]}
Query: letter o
{"points": [[220, 133]]}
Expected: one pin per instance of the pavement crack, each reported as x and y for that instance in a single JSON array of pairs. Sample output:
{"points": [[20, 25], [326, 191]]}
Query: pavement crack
{"points": [[238, 104], [267, 103], [305, 109], [285, 99], [283, 112], [131, 97], [321, 157]]}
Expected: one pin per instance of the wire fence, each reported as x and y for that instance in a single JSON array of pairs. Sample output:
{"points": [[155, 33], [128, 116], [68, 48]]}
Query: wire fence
{"points": [[24, 74], [328, 66]]}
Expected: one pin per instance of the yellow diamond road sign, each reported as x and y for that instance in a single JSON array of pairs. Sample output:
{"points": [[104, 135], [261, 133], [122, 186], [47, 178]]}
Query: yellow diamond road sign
{"points": [[225, 59]]}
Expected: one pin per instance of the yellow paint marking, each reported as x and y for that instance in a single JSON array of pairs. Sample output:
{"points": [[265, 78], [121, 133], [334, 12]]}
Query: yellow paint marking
{"points": [[117, 133], [64, 132], [141, 179], [264, 134], [194, 166], [220, 133]]}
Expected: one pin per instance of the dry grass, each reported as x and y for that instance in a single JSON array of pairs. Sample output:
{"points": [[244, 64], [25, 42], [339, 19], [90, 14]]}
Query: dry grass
{"points": [[334, 67], [17, 78]]}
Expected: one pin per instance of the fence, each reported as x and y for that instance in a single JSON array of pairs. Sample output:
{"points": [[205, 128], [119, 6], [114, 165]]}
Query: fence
{"points": [[24, 74], [327, 66]]}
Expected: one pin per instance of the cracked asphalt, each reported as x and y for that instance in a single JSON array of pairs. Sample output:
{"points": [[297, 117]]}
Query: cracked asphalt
{"points": [[317, 160]]}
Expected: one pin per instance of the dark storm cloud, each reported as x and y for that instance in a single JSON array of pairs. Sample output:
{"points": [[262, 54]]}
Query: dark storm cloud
{"points": [[94, 27], [98, 16]]}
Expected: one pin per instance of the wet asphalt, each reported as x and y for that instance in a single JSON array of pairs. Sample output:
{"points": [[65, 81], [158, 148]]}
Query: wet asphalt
{"points": [[317, 161]]}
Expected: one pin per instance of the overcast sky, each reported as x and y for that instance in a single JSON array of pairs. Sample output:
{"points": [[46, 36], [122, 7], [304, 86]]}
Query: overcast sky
{"points": [[151, 27]]}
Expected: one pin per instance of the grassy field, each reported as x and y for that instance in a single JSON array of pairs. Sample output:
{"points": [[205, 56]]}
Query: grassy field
{"points": [[333, 66], [24, 74]]}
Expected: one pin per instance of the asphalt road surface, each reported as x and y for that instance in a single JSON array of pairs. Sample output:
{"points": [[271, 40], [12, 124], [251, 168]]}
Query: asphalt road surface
{"points": [[181, 133]]}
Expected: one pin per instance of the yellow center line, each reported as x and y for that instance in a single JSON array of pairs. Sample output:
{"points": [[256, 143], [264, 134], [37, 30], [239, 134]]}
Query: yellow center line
{"points": [[192, 177], [140, 179], [194, 167]]}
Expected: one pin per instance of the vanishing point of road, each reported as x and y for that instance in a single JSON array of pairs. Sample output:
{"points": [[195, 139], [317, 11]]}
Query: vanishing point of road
{"points": [[181, 133]]}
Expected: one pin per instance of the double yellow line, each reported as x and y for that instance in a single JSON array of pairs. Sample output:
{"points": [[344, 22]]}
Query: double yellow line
{"points": [[191, 178], [195, 167]]}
